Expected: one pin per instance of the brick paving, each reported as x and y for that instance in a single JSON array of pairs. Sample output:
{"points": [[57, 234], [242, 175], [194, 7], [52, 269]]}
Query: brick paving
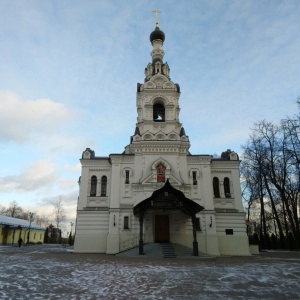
{"points": [[54, 272]]}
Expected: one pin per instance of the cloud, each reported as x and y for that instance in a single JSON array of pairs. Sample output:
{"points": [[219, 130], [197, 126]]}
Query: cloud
{"points": [[69, 201], [38, 179], [23, 120], [74, 168], [45, 208], [35, 176]]}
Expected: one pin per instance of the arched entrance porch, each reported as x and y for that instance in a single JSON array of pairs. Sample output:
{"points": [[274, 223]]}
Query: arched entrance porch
{"points": [[168, 198]]}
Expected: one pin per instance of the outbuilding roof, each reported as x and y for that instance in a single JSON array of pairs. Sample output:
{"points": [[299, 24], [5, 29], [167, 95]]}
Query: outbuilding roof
{"points": [[15, 222]]}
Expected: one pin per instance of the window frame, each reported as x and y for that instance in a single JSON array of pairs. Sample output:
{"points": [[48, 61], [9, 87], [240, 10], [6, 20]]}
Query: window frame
{"points": [[159, 110], [127, 175], [103, 186], [226, 184], [216, 187], [194, 176], [126, 223], [93, 190], [161, 172]]}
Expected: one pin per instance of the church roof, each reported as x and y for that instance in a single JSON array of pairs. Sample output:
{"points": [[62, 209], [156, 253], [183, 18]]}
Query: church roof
{"points": [[168, 197]]}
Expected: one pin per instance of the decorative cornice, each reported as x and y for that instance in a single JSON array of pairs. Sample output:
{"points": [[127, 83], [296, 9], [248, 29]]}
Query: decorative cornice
{"points": [[225, 163], [93, 209], [128, 159], [126, 206], [100, 169], [94, 162], [198, 160], [175, 148], [220, 171], [227, 211]]}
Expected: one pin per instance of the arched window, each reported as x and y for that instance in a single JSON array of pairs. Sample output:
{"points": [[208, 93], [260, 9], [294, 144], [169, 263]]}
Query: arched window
{"points": [[161, 172], [103, 185], [194, 178], [227, 187], [127, 177], [216, 187], [93, 186], [158, 112]]}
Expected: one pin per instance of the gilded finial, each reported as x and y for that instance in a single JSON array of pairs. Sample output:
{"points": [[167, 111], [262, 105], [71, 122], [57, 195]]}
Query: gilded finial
{"points": [[156, 11]]}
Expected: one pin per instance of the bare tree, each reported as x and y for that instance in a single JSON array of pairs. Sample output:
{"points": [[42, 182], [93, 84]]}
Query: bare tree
{"points": [[271, 172], [2, 210], [58, 213], [42, 220], [14, 210]]}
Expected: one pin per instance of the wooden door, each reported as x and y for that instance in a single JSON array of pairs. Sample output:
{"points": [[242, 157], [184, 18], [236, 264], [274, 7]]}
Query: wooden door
{"points": [[161, 229]]}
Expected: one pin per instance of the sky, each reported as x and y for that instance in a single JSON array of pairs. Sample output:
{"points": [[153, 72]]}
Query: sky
{"points": [[69, 71]]}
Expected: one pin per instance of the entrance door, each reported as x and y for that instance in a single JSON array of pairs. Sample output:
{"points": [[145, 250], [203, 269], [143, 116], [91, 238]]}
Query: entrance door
{"points": [[161, 229]]}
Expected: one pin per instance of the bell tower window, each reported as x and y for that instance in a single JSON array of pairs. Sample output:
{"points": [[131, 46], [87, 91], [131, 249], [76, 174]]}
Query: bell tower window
{"points": [[161, 169], [158, 112]]}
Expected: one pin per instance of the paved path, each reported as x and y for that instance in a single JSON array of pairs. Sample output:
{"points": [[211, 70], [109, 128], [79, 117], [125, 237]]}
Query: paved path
{"points": [[52, 272]]}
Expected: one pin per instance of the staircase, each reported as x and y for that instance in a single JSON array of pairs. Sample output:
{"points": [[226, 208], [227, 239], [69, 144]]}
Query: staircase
{"points": [[164, 250], [168, 250]]}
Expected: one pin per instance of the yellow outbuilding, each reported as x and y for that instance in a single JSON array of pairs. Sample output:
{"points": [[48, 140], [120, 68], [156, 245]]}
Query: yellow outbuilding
{"points": [[12, 229]]}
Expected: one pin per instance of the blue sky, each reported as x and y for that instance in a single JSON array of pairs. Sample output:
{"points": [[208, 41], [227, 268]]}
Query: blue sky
{"points": [[69, 71]]}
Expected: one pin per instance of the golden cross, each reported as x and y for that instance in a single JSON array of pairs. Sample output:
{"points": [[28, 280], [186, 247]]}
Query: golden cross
{"points": [[156, 11]]}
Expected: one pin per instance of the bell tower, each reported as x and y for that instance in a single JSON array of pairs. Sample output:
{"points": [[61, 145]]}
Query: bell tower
{"points": [[157, 101]]}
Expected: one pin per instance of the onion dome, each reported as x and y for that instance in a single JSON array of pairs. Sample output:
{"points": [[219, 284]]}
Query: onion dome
{"points": [[157, 34]]}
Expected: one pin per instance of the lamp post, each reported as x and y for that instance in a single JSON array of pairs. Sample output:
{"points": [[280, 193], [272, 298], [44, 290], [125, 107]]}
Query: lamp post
{"points": [[70, 236], [30, 220], [71, 223]]}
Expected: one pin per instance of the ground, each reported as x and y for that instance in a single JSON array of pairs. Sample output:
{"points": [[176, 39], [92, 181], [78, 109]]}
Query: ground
{"points": [[54, 272]]}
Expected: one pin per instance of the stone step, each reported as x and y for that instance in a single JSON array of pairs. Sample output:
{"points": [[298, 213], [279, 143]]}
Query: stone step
{"points": [[168, 250], [164, 250]]}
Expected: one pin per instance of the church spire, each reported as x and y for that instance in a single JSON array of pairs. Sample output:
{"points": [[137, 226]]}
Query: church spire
{"points": [[157, 38], [157, 34], [156, 11]]}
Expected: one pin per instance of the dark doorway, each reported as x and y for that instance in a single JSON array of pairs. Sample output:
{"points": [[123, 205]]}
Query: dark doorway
{"points": [[162, 229], [5, 234], [164, 199]]}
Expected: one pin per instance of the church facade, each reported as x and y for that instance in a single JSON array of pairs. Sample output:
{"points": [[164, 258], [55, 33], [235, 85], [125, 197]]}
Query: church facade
{"points": [[156, 190]]}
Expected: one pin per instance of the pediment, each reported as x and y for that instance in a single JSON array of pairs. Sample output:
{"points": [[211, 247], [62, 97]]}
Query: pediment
{"points": [[173, 136], [149, 85], [152, 178], [148, 136], [160, 136], [159, 81], [161, 161]]}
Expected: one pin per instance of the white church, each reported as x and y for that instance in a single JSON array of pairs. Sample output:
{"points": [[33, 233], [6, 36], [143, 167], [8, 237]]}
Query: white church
{"points": [[156, 191]]}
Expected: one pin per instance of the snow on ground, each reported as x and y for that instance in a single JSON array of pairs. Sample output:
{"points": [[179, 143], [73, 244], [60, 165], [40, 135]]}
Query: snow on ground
{"points": [[51, 272]]}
